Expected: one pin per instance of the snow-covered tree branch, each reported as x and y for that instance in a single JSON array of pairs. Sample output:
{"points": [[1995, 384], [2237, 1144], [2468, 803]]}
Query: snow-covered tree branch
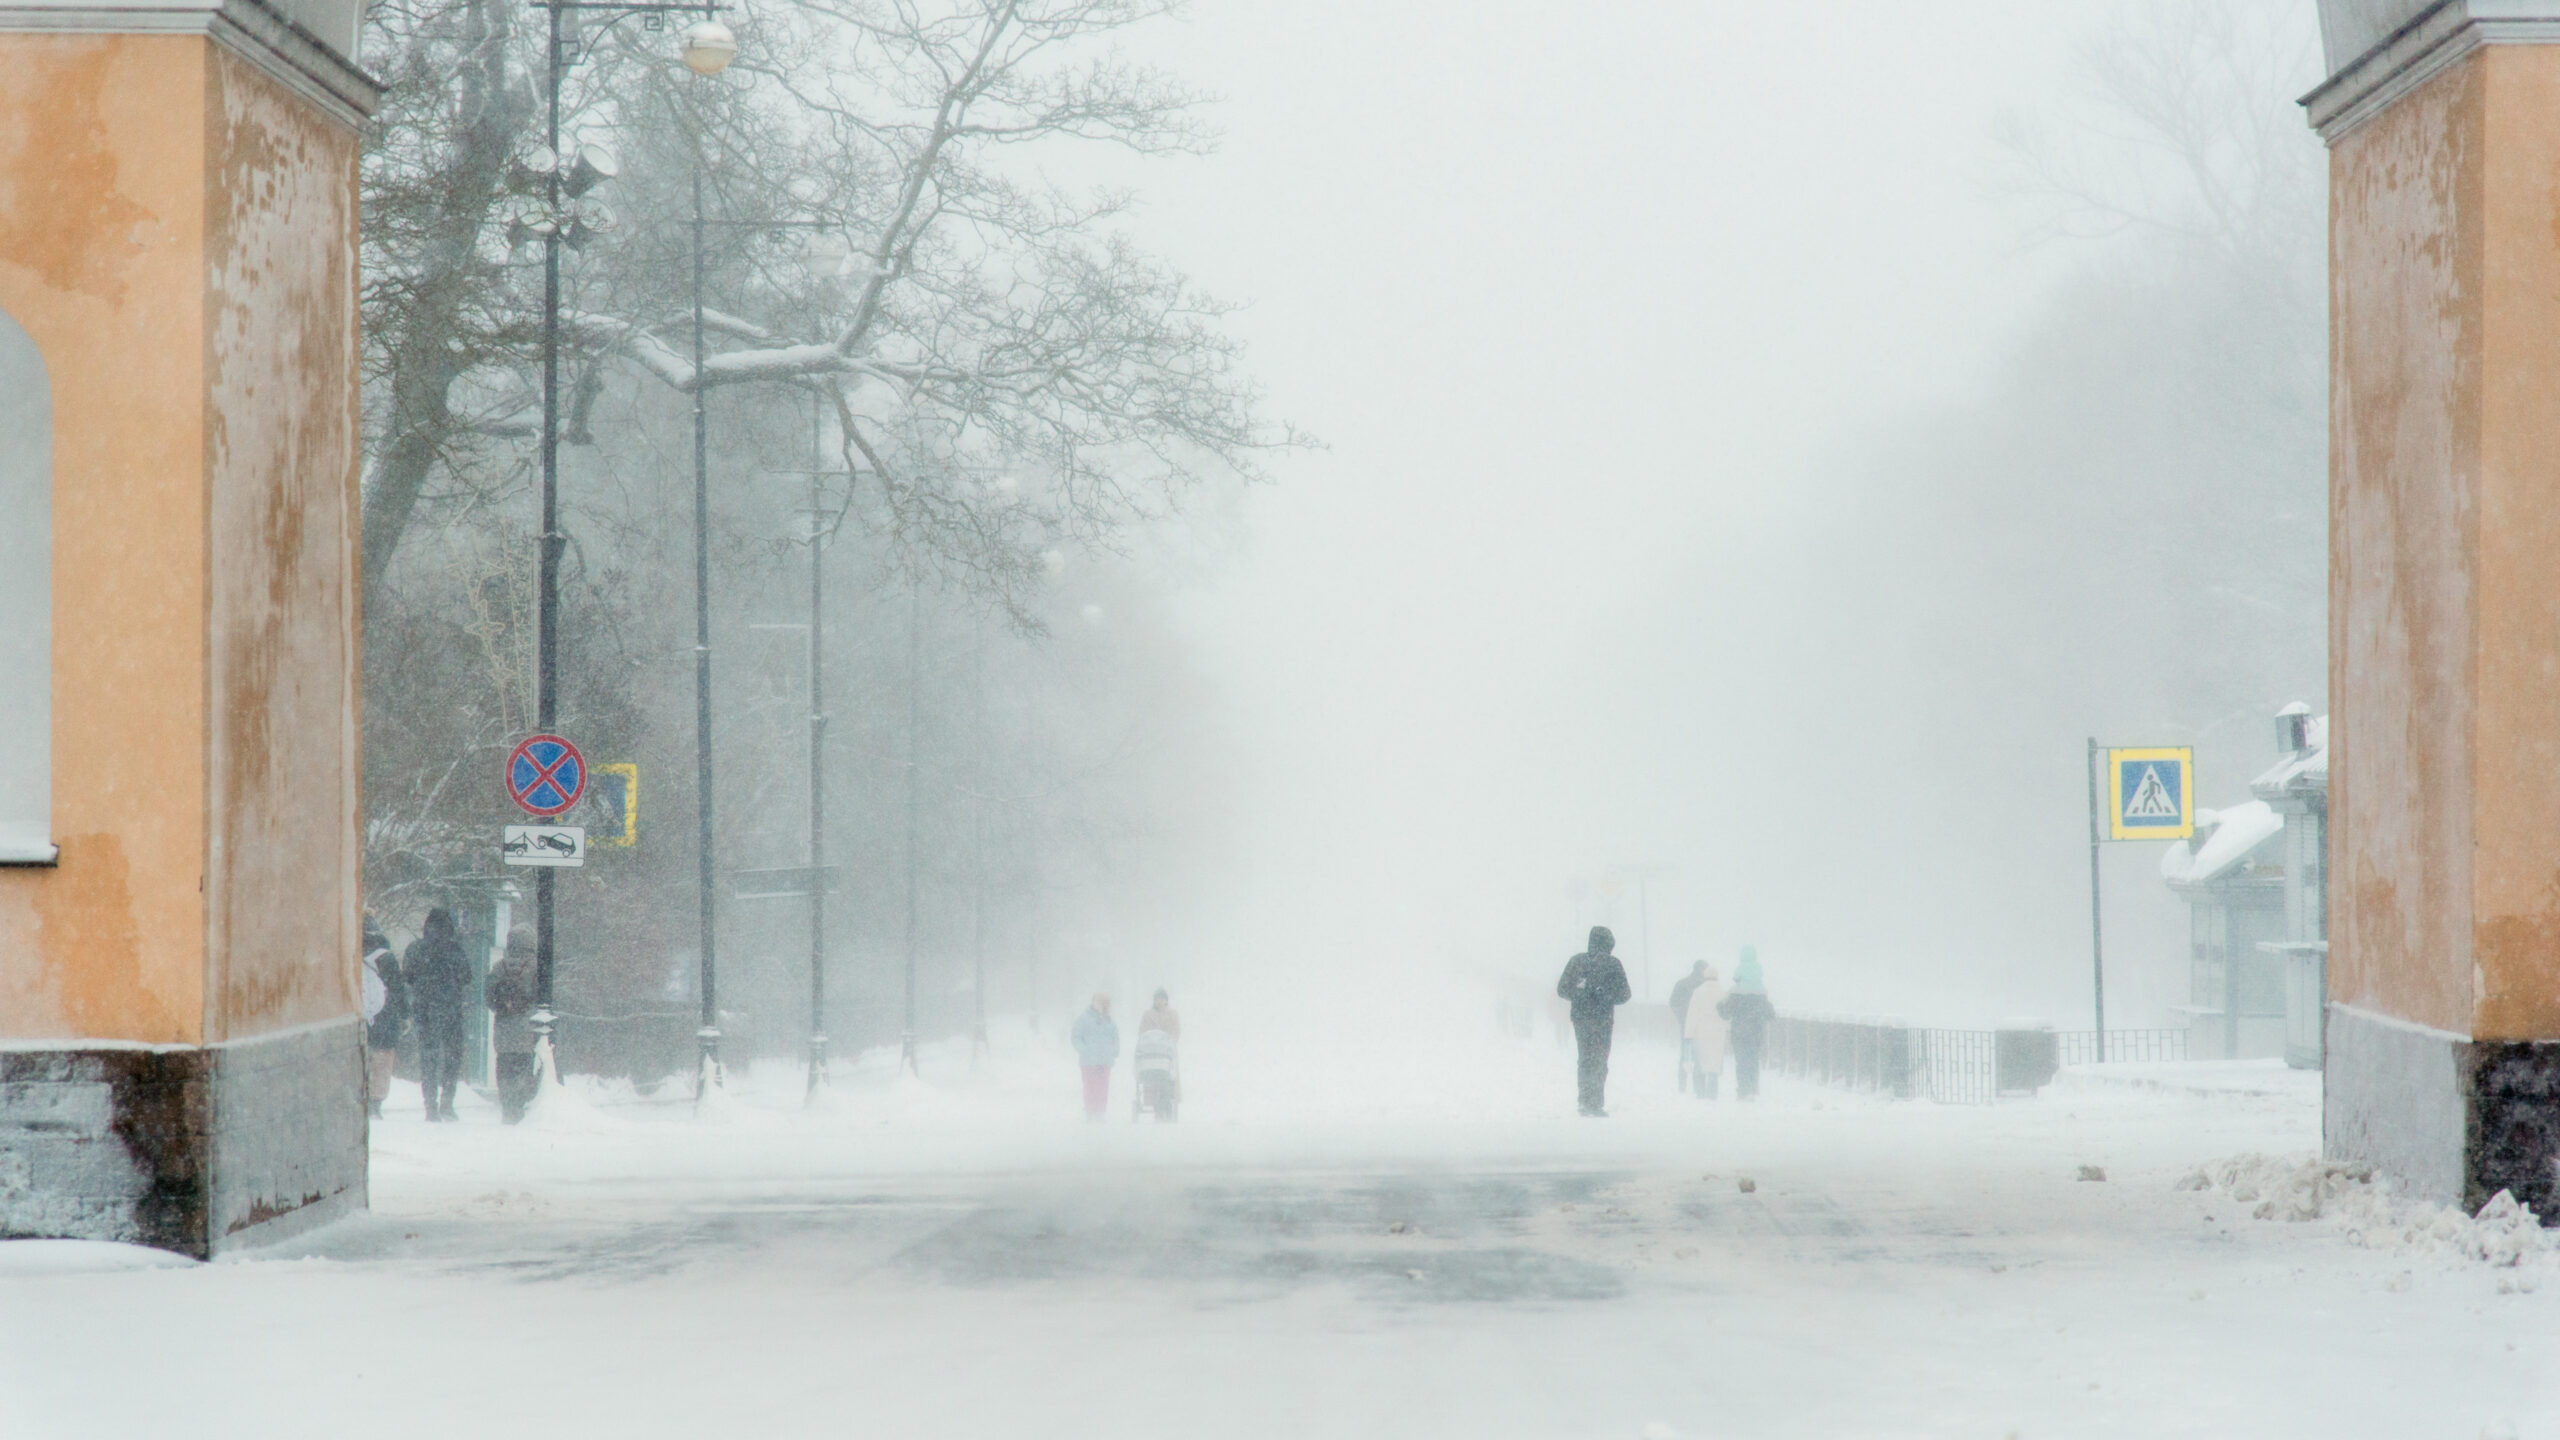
{"points": [[969, 319]]}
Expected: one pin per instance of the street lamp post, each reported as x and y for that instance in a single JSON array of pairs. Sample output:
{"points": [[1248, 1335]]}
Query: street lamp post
{"points": [[1643, 875], [817, 633], [978, 840], [547, 622], [707, 48], [817, 776], [818, 476], [915, 679]]}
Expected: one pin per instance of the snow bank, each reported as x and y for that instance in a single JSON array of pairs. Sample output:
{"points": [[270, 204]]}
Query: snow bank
{"points": [[568, 1109], [2504, 1233], [20, 1259]]}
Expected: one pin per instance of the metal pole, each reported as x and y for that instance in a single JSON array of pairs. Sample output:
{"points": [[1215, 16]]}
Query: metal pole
{"points": [[817, 759], [547, 625], [709, 1033], [915, 653], [1644, 929], [978, 837], [2097, 931]]}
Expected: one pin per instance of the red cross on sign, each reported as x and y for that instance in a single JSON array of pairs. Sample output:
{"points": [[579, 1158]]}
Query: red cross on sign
{"points": [[546, 775]]}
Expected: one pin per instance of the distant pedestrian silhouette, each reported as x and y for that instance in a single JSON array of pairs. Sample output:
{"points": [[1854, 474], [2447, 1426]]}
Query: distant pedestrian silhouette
{"points": [[1594, 984], [1749, 1012]]}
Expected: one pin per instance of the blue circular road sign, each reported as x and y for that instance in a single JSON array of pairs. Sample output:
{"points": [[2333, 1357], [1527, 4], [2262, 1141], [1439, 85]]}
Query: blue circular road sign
{"points": [[546, 775]]}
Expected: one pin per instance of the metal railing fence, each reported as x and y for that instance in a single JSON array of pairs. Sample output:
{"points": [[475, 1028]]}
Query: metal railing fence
{"points": [[2139, 1047], [1952, 1067]]}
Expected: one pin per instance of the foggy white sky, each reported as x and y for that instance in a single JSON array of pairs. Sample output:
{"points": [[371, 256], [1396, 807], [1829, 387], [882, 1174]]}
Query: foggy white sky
{"points": [[1575, 293]]}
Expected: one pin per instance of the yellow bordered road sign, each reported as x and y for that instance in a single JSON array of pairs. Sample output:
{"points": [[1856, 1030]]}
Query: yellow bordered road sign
{"points": [[615, 790], [2151, 794]]}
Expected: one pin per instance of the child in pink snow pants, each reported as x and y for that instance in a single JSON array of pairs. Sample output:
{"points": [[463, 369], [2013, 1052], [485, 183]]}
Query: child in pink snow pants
{"points": [[1097, 1042]]}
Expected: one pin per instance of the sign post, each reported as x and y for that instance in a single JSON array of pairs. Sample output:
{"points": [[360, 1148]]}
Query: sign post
{"points": [[545, 775], [2097, 928], [2150, 794]]}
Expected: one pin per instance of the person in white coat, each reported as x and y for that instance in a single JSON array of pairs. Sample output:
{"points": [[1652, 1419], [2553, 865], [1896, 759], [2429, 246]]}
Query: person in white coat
{"points": [[1704, 1029], [386, 1013]]}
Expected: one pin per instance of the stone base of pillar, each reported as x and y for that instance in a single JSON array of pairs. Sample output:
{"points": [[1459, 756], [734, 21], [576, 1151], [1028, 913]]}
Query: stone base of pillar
{"points": [[2454, 1120], [185, 1148]]}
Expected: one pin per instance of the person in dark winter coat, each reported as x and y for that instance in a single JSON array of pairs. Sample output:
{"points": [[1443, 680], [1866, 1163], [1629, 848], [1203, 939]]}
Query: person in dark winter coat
{"points": [[1595, 985], [439, 977], [511, 995], [1749, 1012], [386, 1014], [1681, 994]]}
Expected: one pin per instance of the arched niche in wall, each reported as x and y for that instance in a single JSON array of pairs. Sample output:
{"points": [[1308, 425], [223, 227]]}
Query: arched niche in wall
{"points": [[26, 601]]}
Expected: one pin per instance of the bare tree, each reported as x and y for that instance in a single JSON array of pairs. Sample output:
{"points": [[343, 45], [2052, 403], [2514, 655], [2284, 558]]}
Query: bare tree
{"points": [[2188, 130], [456, 110], [1009, 370]]}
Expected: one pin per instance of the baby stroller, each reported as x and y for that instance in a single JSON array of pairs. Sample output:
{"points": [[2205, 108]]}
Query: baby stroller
{"points": [[1159, 1066]]}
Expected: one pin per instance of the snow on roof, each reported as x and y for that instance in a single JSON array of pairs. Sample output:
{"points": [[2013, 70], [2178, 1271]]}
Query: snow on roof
{"points": [[2306, 771], [2235, 835]]}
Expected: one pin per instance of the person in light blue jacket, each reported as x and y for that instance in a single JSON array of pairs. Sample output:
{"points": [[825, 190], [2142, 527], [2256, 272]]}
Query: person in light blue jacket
{"points": [[1097, 1040]]}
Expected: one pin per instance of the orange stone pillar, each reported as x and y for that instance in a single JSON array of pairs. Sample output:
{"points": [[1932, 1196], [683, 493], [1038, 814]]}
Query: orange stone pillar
{"points": [[2443, 1056], [180, 1058]]}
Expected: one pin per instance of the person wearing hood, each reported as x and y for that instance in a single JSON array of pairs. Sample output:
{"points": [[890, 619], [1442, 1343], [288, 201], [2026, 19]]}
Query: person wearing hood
{"points": [[439, 977], [1749, 1012], [511, 990], [1096, 1037], [1162, 1016], [1681, 993], [1162, 1019], [1702, 1031], [1594, 984], [386, 1013]]}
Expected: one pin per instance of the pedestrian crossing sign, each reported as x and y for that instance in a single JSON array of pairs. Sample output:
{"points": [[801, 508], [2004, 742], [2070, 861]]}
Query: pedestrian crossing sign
{"points": [[2151, 794]]}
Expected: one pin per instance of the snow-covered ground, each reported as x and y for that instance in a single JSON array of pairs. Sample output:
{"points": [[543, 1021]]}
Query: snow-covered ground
{"points": [[1410, 1243]]}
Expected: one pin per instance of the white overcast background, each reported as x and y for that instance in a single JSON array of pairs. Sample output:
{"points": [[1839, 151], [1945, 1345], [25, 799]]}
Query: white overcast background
{"points": [[1583, 298]]}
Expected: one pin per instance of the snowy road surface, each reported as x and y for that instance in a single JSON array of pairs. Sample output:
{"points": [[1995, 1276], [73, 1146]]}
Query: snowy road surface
{"points": [[967, 1259]]}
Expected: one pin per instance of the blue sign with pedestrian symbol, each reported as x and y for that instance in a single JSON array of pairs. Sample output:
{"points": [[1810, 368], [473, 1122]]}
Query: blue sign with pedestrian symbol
{"points": [[2151, 794]]}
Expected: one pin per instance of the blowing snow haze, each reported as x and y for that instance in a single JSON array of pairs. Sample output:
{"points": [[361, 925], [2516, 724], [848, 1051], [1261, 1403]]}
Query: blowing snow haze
{"points": [[1746, 473], [1758, 459], [1344, 717]]}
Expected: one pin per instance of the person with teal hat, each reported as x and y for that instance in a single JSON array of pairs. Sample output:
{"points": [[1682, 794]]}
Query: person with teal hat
{"points": [[1748, 1011]]}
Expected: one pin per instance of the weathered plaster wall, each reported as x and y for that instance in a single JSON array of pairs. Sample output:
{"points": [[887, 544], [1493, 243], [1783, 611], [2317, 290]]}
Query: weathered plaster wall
{"points": [[2405, 463], [101, 260], [177, 236], [2392, 1096], [192, 289], [2516, 826], [281, 454], [2445, 514]]}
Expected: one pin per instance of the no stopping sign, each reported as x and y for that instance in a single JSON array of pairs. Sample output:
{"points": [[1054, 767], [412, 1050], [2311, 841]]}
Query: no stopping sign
{"points": [[546, 775]]}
